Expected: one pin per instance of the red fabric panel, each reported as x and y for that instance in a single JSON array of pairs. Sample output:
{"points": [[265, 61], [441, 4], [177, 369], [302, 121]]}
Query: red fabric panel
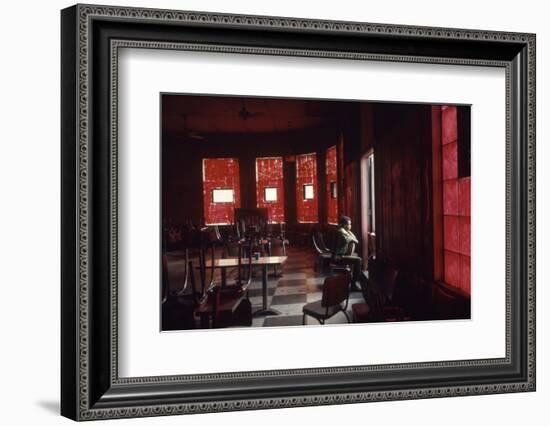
{"points": [[456, 206], [306, 173], [450, 197], [450, 161], [220, 173], [464, 235], [465, 273], [464, 206], [269, 174], [448, 124], [332, 176], [451, 233], [452, 268]]}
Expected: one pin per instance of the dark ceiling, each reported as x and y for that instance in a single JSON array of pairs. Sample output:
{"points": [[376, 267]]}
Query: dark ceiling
{"points": [[199, 115]]}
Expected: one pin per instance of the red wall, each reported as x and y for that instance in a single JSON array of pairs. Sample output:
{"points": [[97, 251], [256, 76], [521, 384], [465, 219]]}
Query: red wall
{"points": [[306, 173], [220, 173], [456, 206], [332, 176], [269, 174]]}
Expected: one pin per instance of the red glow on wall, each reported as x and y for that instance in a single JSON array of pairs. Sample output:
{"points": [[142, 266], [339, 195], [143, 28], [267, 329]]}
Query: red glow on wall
{"points": [[306, 174], [220, 173], [332, 185], [456, 206], [270, 188]]}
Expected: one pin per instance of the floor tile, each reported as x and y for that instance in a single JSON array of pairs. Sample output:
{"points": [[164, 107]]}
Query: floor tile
{"points": [[288, 299], [296, 282], [314, 297], [280, 291], [258, 292], [281, 321]]}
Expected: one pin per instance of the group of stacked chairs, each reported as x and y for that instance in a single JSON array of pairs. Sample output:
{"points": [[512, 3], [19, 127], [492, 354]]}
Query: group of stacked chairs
{"points": [[198, 299]]}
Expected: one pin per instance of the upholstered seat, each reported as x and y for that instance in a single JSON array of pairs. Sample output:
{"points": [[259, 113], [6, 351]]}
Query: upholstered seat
{"points": [[319, 312], [335, 299]]}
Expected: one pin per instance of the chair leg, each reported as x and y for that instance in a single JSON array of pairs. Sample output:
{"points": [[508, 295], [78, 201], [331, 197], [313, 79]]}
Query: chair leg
{"points": [[347, 317], [304, 319]]}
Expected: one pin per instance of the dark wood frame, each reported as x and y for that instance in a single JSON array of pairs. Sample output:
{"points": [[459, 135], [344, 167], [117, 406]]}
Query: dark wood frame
{"points": [[90, 386]]}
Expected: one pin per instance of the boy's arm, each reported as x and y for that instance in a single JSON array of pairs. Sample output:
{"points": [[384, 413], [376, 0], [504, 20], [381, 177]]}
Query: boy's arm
{"points": [[351, 237]]}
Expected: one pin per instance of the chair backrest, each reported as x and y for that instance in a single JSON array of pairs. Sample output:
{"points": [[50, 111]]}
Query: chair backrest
{"points": [[206, 254], [251, 221], [335, 289], [316, 245], [186, 273], [390, 280], [165, 280], [278, 246], [245, 264], [321, 242], [197, 294]]}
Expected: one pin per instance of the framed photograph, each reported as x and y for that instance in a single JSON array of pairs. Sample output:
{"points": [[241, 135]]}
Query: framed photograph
{"points": [[265, 212]]}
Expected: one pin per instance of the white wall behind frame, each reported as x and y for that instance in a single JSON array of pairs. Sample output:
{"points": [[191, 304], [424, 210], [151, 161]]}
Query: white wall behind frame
{"points": [[29, 176]]}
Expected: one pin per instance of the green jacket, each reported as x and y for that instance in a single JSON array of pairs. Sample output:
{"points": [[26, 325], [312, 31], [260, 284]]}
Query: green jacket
{"points": [[343, 238]]}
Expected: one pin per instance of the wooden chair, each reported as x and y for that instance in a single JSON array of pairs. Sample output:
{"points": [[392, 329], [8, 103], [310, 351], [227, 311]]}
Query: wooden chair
{"points": [[321, 242], [225, 306], [178, 307], [335, 293], [323, 258], [384, 297]]}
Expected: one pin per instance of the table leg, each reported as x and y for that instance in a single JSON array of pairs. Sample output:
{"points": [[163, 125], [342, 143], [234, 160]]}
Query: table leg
{"points": [[265, 311], [224, 277], [264, 287]]}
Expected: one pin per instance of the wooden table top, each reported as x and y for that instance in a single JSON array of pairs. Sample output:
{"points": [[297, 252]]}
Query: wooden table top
{"points": [[232, 262]]}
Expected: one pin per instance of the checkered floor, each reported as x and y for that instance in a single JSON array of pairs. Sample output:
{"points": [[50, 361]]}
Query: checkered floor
{"points": [[299, 284]]}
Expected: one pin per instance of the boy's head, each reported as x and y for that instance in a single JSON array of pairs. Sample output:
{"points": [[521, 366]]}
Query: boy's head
{"points": [[345, 222]]}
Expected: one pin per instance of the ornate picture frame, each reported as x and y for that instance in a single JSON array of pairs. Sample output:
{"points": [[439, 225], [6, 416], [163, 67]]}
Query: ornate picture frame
{"points": [[91, 386]]}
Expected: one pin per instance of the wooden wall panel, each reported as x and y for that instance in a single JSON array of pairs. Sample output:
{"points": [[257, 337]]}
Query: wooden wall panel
{"points": [[404, 186]]}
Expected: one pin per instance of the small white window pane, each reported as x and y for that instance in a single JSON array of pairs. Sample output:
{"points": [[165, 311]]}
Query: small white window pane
{"points": [[308, 192], [270, 194], [222, 195], [333, 190]]}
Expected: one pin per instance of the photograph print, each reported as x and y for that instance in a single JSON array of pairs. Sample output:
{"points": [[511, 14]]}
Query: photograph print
{"points": [[312, 212]]}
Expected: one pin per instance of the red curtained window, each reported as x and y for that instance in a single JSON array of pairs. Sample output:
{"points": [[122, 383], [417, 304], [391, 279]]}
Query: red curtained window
{"points": [[270, 187], [221, 190], [456, 206], [306, 188]]}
